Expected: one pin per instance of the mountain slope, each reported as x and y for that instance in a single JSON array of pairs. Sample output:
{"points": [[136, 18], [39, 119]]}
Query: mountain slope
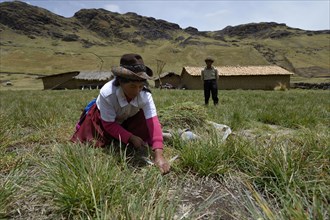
{"points": [[38, 41]]}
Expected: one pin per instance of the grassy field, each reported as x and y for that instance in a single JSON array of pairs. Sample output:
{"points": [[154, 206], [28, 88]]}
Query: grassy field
{"points": [[39, 56], [46, 56], [274, 165]]}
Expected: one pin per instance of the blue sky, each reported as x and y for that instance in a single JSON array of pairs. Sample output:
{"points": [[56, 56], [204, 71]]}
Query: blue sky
{"points": [[208, 15]]}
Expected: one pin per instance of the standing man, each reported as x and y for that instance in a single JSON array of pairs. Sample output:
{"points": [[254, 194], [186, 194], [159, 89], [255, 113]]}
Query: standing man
{"points": [[210, 78]]}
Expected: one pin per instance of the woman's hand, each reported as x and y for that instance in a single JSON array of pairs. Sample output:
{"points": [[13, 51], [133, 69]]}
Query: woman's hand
{"points": [[136, 141], [161, 162]]}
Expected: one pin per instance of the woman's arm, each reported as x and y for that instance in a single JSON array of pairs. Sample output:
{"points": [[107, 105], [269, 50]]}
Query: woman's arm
{"points": [[156, 139], [155, 133], [117, 131], [161, 162]]}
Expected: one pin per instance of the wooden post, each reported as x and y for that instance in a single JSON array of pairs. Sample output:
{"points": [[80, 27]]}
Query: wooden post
{"points": [[160, 66]]}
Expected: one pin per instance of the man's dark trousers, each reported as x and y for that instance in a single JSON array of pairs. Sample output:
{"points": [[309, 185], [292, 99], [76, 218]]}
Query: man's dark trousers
{"points": [[211, 86]]}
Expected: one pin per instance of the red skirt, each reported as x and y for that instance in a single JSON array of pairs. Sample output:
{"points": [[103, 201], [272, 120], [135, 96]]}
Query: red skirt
{"points": [[91, 130]]}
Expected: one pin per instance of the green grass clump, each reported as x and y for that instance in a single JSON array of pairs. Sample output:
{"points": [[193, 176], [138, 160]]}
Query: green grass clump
{"points": [[10, 184], [291, 173], [86, 182]]}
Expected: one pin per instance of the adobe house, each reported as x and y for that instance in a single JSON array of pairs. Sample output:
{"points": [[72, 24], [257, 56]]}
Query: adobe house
{"points": [[59, 81], [76, 80], [168, 78], [239, 77]]}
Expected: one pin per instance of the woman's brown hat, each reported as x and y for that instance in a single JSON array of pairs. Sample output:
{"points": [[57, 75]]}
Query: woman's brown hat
{"points": [[132, 67]]}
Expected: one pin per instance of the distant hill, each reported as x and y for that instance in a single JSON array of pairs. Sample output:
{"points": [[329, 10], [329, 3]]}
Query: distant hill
{"points": [[36, 40]]}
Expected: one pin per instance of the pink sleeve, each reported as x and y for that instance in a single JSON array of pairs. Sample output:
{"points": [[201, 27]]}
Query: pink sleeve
{"points": [[117, 131], [155, 133]]}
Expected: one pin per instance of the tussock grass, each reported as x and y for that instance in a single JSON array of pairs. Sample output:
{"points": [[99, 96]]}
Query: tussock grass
{"points": [[83, 181], [288, 175], [273, 174], [10, 184]]}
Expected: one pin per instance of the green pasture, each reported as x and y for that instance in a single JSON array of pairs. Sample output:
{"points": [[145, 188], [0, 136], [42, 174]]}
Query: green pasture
{"points": [[274, 165], [46, 56], [44, 59]]}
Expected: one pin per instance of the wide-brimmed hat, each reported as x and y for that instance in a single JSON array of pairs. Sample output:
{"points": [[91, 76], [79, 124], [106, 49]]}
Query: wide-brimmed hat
{"points": [[132, 67], [209, 59]]}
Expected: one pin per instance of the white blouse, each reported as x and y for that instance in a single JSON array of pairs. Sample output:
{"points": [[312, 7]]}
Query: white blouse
{"points": [[114, 107]]}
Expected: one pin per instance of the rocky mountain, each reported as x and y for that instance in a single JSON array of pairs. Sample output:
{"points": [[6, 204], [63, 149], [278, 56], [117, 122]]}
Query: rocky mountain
{"points": [[265, 42], [34, 21], [270, 30]]}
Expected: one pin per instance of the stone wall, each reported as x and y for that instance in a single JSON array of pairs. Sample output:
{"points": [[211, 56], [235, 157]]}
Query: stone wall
{"points": [[324, 86]]}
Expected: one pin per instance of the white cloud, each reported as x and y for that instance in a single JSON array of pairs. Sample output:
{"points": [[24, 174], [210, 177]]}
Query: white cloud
{"points": [[112, 8]]}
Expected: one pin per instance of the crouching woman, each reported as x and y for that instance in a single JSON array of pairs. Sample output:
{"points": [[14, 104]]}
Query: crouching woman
{"points": [[124, 110]]}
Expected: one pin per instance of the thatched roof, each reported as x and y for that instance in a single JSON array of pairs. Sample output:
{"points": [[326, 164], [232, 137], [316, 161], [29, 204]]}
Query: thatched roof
{"points": [[162, 75], [59, 74], [241, 70], [94, 75]]}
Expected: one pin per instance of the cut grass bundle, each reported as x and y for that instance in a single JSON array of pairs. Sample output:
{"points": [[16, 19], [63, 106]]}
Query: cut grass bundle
{"points": [[183, 115]]}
